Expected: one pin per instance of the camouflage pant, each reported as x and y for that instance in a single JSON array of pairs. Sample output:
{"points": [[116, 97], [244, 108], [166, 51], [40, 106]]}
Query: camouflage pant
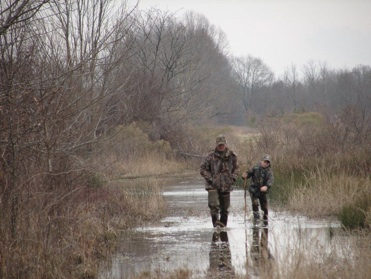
{"points": [[263, 201], [219, 203]]}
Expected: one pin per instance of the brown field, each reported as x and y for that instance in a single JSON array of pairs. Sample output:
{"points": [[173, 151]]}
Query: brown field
{"points": [[66, 233]]}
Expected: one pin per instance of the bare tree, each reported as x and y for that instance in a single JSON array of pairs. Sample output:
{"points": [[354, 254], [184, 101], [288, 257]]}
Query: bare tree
{"points": [[291, 80], [251, 74], [362, 83], [18, 125], [170, 67], [13, 12], [52, 92]]}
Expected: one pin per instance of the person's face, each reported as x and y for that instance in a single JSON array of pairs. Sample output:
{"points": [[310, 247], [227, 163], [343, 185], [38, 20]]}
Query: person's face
{"points": [[220, 147], [265, 164]]}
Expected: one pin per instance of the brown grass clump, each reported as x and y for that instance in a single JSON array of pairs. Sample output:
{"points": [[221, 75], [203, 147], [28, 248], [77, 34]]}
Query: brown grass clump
{"points": [[348, 262], [325, 194], [129, 152], [66, 234], [321, 162], [182, 273]]}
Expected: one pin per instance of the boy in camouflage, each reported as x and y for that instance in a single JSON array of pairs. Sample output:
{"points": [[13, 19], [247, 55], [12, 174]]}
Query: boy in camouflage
{"points": [[220, 170], [261, 181]]}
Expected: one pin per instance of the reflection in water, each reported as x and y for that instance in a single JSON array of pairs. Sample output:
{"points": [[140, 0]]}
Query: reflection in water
{"points": [[259, 251], [181, 240], [220, 257]]}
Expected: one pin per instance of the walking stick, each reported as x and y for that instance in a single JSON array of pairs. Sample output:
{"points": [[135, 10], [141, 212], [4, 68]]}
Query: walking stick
{"points": [[244, 187]]}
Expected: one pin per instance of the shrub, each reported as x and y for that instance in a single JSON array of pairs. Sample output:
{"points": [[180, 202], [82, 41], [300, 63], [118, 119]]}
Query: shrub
{"points": [[354, 215], [303, 119], [95, 180]]}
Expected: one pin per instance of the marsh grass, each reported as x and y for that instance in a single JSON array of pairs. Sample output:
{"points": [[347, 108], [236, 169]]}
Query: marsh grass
{"points": [[324, 194], [129, 152], [149, 165], [316, 173], [343, 261], [67, 234], [356, 214], [321, 165], [182, 273], [66, 228]]}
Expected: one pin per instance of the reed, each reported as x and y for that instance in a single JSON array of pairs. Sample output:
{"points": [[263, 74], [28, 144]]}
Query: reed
{"points": [[66, 234], [321, 166]]}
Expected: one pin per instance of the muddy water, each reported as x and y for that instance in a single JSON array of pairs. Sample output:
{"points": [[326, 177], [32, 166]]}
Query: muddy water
{"points": [[185, 239]]}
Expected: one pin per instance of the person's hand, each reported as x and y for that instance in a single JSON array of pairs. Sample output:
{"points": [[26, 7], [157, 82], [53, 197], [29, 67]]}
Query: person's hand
{"points": [[244, 175], [263, 189]]}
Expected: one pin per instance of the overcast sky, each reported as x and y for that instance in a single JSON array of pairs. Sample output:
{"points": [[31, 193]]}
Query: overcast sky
{"points": [[282, 32]]}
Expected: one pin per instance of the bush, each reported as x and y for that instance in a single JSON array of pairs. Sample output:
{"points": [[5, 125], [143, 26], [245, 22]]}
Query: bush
{"points": [[303, 119], [320, 161], [129, 151], [95, 180], [354, 215]]}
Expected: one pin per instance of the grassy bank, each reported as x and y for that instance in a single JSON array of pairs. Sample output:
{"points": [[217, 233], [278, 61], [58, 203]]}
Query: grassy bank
{"points": [[66, 236], [65, 225], [321, 167]]}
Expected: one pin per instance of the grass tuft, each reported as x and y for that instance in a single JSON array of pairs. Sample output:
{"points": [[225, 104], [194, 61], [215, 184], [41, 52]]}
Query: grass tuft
{"points": [[355, 215]]}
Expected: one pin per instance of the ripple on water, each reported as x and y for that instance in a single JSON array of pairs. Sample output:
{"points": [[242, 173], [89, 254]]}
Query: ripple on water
{"points": [[185, 238]]}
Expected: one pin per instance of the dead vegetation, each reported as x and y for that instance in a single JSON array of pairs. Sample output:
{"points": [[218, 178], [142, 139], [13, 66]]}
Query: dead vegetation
{"points": [[321, 162]]}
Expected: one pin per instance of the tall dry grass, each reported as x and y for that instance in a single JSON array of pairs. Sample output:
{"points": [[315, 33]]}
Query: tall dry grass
{"points": [[344, 261], [67, 235], [322, 193], [182, 273], [129, 152], [321, 164], [321, 167]]}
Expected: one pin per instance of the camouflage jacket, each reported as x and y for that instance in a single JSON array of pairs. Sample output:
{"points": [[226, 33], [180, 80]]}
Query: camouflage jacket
{"points": [[260, 176], [220, 170]]}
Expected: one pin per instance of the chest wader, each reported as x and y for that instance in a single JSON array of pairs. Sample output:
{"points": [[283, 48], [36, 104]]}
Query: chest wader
{"points": [[259, 198], [263, 201], [219, 198], [219, 203]]}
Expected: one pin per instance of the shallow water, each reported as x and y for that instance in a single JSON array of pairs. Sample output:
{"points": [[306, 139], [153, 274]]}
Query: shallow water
{"points": [[185, 239]]}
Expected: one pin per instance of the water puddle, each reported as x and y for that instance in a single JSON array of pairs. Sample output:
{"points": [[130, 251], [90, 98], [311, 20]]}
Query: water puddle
{"points": [[185, 239]]}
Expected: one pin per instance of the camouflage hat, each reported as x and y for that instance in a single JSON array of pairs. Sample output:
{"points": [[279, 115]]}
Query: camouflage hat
{"points": [[220, 140], [266, 157]]}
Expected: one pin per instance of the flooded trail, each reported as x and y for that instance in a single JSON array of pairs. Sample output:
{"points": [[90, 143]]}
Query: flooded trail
{"points": [[185, 239]]}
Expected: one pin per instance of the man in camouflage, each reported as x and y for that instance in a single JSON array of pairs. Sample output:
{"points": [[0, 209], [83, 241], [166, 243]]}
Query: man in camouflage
{"points": [[220, 170], [261, 181]]}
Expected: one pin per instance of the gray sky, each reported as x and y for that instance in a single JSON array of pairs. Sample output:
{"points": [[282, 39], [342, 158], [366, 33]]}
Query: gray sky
{"points": [[282, 32]]}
